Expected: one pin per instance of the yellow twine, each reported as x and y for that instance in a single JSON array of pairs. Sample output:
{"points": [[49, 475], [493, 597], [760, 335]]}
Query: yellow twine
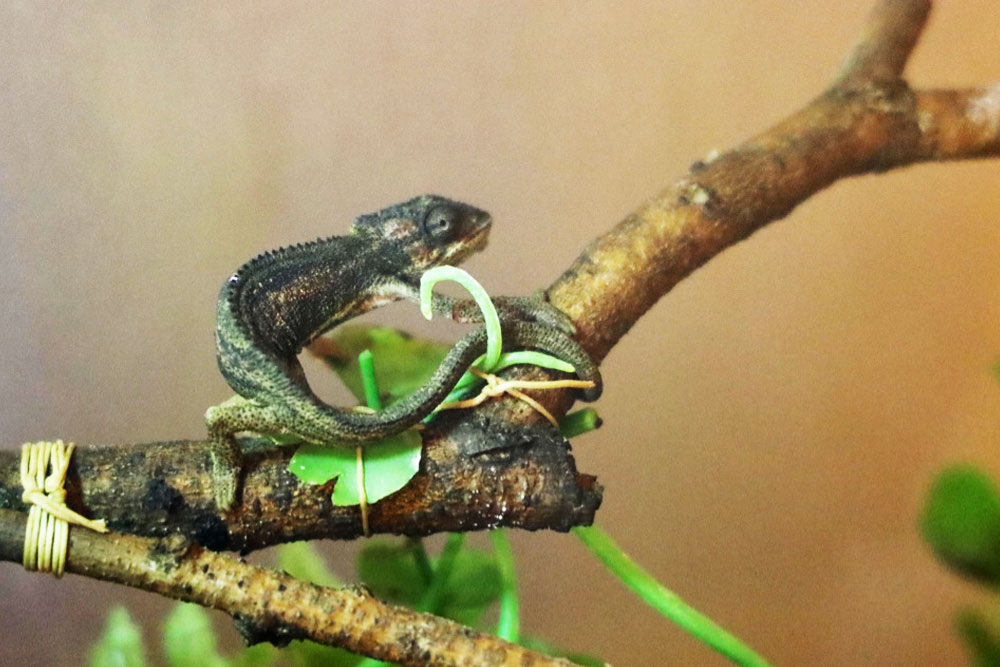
{"points": [[46, 535], [496, 386], [362, 491]]}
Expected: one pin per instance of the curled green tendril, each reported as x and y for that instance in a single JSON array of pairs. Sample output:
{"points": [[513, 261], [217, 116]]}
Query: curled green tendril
{"points": [[493, 361], [490, 318]]}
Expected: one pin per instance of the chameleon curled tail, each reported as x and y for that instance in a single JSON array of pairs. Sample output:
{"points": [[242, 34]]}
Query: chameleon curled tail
{"points": [[290, 406]]}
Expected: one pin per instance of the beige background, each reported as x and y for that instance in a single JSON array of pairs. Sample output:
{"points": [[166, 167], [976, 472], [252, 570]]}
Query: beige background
{"points": [[771, 426]]}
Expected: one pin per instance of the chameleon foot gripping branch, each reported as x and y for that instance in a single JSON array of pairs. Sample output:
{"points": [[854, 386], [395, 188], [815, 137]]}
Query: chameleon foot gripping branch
{"points": [[46, 535]]}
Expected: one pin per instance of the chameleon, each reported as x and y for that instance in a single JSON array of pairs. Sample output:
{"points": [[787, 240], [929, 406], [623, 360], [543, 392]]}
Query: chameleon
{"points": [[281, 300]]}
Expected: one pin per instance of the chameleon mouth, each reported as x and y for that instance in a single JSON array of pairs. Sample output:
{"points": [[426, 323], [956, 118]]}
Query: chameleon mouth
{"points": [[482, 235], [472, 243]]}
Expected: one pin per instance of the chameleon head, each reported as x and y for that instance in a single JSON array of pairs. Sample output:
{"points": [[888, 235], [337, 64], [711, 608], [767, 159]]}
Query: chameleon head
{"points": [[431, 230]]}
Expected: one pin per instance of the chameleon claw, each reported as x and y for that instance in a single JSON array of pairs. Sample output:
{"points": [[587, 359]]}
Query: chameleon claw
{"points": [[225, 483], [225, 453]]}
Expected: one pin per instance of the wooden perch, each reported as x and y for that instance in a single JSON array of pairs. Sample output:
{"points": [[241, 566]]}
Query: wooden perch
{"points": [[273, 606], [495, 465], [527, 479]]}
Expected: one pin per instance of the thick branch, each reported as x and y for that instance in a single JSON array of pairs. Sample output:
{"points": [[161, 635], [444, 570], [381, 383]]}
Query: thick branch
{"points": [[273, 606], [526, 479]]}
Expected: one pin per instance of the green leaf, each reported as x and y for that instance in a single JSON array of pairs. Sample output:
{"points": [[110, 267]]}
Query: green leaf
{"points": [[302, 561], [391, 573], [188, 638], [389, 464], [464, 584], [472, 584], [981, 639], [258, 655], [369, 383], [121, 644], [310, 654], [961, 522], [475, 582], [404, 363]]}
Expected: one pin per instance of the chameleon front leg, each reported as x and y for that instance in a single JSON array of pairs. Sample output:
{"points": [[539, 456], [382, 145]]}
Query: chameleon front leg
{"points": [[224, 422]]}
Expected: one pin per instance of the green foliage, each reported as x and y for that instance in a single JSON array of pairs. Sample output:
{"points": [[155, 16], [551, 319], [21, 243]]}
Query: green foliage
{"points": [[258, 655], [461, 584], [461, 591], [577, 423], [982, 638], [961, 522], [509, 621], [188, 639], [120, 645], [491, 320], [389, 464], [301, 560], [493, 361], [404, 363]]}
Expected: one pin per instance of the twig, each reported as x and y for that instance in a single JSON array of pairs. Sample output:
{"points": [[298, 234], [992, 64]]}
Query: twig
{"points": [[888, 38]]}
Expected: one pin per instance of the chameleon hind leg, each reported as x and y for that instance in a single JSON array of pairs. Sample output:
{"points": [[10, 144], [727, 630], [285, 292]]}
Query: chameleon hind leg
{"points": [[226, 420]]}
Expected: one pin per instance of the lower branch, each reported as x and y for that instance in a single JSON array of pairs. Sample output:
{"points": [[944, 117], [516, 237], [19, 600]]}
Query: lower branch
{"points": [[273, 606]]}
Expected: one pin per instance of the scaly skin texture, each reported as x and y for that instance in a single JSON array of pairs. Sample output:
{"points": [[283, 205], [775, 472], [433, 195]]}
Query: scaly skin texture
{"points": [[280, 301]]}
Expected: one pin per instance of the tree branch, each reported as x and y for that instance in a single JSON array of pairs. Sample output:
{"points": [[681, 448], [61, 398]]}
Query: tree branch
{"points": [[494, 466], [527, 479], [886, 42], [869, 120], [273, 606]]}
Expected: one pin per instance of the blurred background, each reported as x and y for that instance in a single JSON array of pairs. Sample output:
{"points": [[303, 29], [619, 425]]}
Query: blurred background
{"points": [[771, 426]]}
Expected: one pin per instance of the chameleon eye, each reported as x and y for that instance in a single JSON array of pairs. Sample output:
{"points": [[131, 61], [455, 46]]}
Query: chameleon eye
{"points": [[440, 222]]}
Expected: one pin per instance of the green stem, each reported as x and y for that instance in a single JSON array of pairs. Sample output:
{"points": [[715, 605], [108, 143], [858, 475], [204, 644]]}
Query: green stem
{"points": [[579, 422], [431, 600], [420, 558], [668, 603], [509, 621], [366, 366]]}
